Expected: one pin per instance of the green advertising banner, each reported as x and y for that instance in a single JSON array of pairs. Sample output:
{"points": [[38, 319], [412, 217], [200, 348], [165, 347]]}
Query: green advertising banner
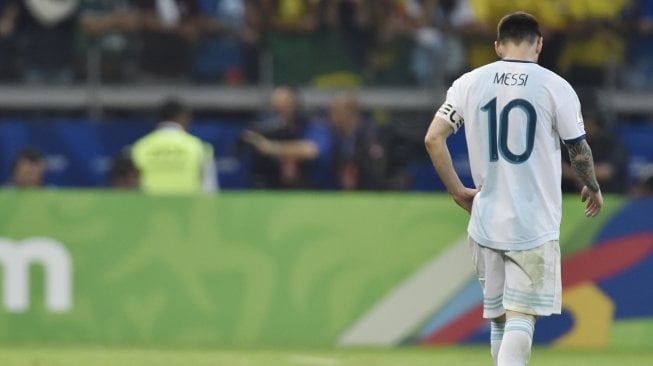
{"points": [[236, 268], [232, 269]]}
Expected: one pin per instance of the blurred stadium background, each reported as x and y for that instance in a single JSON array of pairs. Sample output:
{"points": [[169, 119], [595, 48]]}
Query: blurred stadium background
{"points": [[258, 274]]}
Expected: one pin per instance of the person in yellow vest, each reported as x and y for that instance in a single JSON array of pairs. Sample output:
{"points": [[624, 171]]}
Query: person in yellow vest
{"points": [[171, 160]]}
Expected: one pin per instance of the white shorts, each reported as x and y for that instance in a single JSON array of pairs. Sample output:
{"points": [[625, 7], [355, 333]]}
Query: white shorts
{"points": [[525, 281]]}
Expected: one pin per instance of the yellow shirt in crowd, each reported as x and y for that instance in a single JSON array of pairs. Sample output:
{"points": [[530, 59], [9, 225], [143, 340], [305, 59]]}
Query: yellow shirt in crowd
{"points": [[555, 15]]}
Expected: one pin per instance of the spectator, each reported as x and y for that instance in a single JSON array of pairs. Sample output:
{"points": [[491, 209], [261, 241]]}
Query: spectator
{"points": [[552, 15], [294, 16], [7, 46], [395, 23], [28, 169], [106, 28], [290, 152], [230, 35], [439, 51], [44, 35], [638, 68], [353, 18], [358, 159], [610, 158], [286, 118], [123, 173], [171, 160], [343, 154], [593, 44], [169, 34], [294, 45]]}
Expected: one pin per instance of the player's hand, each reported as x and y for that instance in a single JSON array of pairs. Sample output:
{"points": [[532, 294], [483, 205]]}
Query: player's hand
{"points": [[260, 142], [465, 198], [594, 201], [255, 139]]}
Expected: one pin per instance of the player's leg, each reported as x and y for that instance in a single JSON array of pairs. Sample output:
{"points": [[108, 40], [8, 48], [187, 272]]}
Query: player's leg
{"points": [[533, 288], [517, 339], [497, 329], [490, 271]]}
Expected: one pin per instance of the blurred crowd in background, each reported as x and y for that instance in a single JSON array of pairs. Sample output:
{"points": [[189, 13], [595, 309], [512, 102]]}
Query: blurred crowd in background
{"points": [[288, 147], [339, 44], [313, 42]]}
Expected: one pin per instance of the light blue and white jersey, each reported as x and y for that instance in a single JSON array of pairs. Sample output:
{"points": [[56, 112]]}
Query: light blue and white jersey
{"points": [[515, 114]]}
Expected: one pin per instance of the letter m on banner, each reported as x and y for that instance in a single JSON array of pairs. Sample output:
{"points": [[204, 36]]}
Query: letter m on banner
{"points": [[16, 259]]}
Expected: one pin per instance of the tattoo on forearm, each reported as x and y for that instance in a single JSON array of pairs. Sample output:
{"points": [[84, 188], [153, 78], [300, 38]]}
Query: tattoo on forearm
{"points": [[580, 155]]}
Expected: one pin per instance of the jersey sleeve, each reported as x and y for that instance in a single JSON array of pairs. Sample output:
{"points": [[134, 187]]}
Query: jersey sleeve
{"points": [[569, 118], [451, 109]]}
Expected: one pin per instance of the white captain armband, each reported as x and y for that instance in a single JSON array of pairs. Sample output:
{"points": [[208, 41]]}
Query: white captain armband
{"points": [[447, 113]]}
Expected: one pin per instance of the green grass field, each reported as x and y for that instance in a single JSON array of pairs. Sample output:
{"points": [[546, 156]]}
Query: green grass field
{"points": [[459, 356]]}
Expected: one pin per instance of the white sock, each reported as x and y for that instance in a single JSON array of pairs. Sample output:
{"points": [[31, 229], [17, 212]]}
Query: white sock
{"points": [[517, 340], [496, 335]]}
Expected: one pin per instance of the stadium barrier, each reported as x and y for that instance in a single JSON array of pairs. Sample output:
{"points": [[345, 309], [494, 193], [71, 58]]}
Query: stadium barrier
{"points": [[296, 269], [79, 151]]}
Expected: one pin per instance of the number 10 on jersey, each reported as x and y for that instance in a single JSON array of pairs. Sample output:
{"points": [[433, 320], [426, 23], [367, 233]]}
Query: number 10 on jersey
{"points": [[499, 126]]}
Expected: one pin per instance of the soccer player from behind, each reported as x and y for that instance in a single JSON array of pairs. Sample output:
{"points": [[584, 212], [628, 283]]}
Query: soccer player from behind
{"points": [[515, 113]]}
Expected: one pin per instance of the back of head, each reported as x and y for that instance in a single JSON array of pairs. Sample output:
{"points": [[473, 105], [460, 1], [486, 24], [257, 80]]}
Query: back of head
{"points": [[28, 168], [518, 27], [173, 110], [31, 154]]}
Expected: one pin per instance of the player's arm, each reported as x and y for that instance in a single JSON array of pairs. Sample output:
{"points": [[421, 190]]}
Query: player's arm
{"points": [[301, 149], [582, 162], [436, 146]]}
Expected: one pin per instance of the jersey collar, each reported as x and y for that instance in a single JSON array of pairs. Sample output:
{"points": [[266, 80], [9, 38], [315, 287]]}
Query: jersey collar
{"points": [[169, 125], [520, 61]]}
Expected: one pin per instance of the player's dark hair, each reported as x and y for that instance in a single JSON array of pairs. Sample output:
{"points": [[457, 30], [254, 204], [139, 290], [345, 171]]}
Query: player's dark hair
{"points": [[518, 27], [171, 109], [31, 154]]}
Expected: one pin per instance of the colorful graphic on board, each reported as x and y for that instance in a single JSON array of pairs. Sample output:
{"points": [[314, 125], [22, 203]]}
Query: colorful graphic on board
{"points": [[600, 287]]}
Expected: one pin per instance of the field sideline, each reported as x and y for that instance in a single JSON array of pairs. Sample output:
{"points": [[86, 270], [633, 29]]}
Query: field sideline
{"points": [[458, 356]]}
